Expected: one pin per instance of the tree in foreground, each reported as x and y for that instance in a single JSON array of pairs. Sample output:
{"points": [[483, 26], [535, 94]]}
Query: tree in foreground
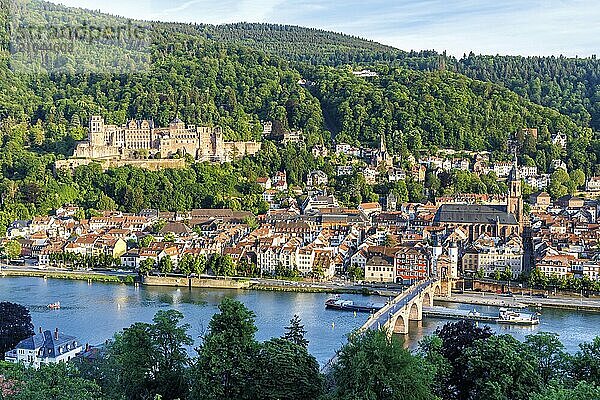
{"points": [[146, 360], [585, 364], [430, 349], [458, 336], [285, 370], [295, 332], [226, 358], [49, 382], [455, 338], [548, 351], [500, 368], [15, 325], [583, 391], [374, 367]]}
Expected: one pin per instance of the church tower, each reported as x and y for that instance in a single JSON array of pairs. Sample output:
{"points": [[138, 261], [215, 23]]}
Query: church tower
{"points": [[515, 196], [382, 156]]}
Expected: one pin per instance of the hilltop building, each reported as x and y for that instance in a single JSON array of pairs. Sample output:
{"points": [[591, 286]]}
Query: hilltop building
{"points": [[122, 142]]}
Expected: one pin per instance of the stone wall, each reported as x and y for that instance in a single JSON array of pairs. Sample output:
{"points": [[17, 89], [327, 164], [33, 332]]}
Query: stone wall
{"points": [[195, 282], [241, 149], [86, 150], [152, 165]]}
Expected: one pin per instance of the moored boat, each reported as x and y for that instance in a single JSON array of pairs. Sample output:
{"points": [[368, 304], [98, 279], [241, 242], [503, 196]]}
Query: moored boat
{"points": [[348, 305], [507, 316]]}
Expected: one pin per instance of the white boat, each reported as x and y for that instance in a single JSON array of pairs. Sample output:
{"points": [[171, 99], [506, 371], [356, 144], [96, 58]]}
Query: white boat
{"points": [[337, 303], [508, 316]]}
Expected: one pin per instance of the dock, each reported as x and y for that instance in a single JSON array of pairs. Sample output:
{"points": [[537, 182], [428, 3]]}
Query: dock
{"points": [[452, 313]]}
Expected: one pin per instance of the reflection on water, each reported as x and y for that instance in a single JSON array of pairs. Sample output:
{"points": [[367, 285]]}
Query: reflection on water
{"points": [[95, 312]]}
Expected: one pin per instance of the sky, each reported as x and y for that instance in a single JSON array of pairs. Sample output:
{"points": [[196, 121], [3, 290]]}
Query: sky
{"points": [[519, 27]]}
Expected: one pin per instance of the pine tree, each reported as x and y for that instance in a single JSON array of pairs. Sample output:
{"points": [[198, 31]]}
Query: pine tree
{"points": [[295, 332]]}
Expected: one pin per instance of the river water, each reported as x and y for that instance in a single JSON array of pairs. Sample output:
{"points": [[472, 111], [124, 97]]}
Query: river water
{"points": [[94, 312]]}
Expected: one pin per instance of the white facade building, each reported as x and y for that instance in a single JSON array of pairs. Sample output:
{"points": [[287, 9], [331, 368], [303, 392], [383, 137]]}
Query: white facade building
{"points": [[44, 348]]}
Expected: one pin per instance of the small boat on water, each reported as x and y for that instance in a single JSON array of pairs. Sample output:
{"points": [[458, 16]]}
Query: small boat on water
{"points": [[337, 303], [54, 306], [507, 316]]}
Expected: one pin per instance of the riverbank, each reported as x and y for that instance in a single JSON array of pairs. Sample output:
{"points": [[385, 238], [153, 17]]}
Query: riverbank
{"points": [[69, 275], [204, 282], [195, 282], [474, 298], [520, 301], [262, 285], [311, 289]]}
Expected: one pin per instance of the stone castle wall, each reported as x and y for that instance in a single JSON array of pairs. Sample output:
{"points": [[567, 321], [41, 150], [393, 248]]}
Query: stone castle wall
{"points": [[152, 165], [120, 142]]}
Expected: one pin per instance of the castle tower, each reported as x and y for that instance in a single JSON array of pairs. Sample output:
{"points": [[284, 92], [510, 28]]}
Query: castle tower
{"points": [[515, 197], [96, 134]]}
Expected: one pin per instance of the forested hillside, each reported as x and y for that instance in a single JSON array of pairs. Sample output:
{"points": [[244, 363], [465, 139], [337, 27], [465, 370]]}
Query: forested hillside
{"points": [[298, 43], [415, 110], [569, 85], [208, 76]]}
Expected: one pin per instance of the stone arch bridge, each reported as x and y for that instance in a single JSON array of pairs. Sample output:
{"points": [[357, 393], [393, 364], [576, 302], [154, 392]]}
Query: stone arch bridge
{"points": [[408, 306]]}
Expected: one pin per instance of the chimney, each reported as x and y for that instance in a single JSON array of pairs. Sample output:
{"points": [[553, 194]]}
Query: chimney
{"points": [[40, 329], [56, 334]]}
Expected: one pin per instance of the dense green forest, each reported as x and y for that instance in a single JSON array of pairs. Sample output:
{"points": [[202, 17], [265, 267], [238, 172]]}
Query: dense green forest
{"points": [[238, 75], [417, 110]]}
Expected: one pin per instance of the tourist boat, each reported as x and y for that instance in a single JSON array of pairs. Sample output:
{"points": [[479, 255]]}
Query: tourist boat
{"points": [[54, 306], [336, 303], [507, 316]]}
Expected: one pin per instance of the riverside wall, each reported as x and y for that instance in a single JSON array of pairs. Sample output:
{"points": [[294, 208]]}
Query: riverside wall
{"points": [[195, 282]]}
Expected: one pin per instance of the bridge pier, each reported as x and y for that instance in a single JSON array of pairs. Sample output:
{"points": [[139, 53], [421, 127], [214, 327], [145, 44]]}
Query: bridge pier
{"points": [[408, 306], [427, 300], [446, 287]]}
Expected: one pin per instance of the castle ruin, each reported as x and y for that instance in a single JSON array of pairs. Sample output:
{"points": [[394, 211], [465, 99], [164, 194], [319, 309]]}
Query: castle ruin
{"points": [[128, 140]]}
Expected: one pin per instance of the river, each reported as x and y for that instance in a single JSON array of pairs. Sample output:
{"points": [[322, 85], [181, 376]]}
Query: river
{"points": [[94, 312]]}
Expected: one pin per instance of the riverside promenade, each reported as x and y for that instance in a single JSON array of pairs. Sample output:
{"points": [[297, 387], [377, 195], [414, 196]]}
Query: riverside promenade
{"points": [[520, 301]]}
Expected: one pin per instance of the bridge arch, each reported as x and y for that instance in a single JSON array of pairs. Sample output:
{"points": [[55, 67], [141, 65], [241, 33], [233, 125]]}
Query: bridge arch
{"points": [[400, 325], [416, 311]]}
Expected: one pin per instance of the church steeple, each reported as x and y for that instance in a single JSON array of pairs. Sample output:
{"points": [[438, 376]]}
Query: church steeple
{"points": [[382, 148], [515, 195], [381, 156]]}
